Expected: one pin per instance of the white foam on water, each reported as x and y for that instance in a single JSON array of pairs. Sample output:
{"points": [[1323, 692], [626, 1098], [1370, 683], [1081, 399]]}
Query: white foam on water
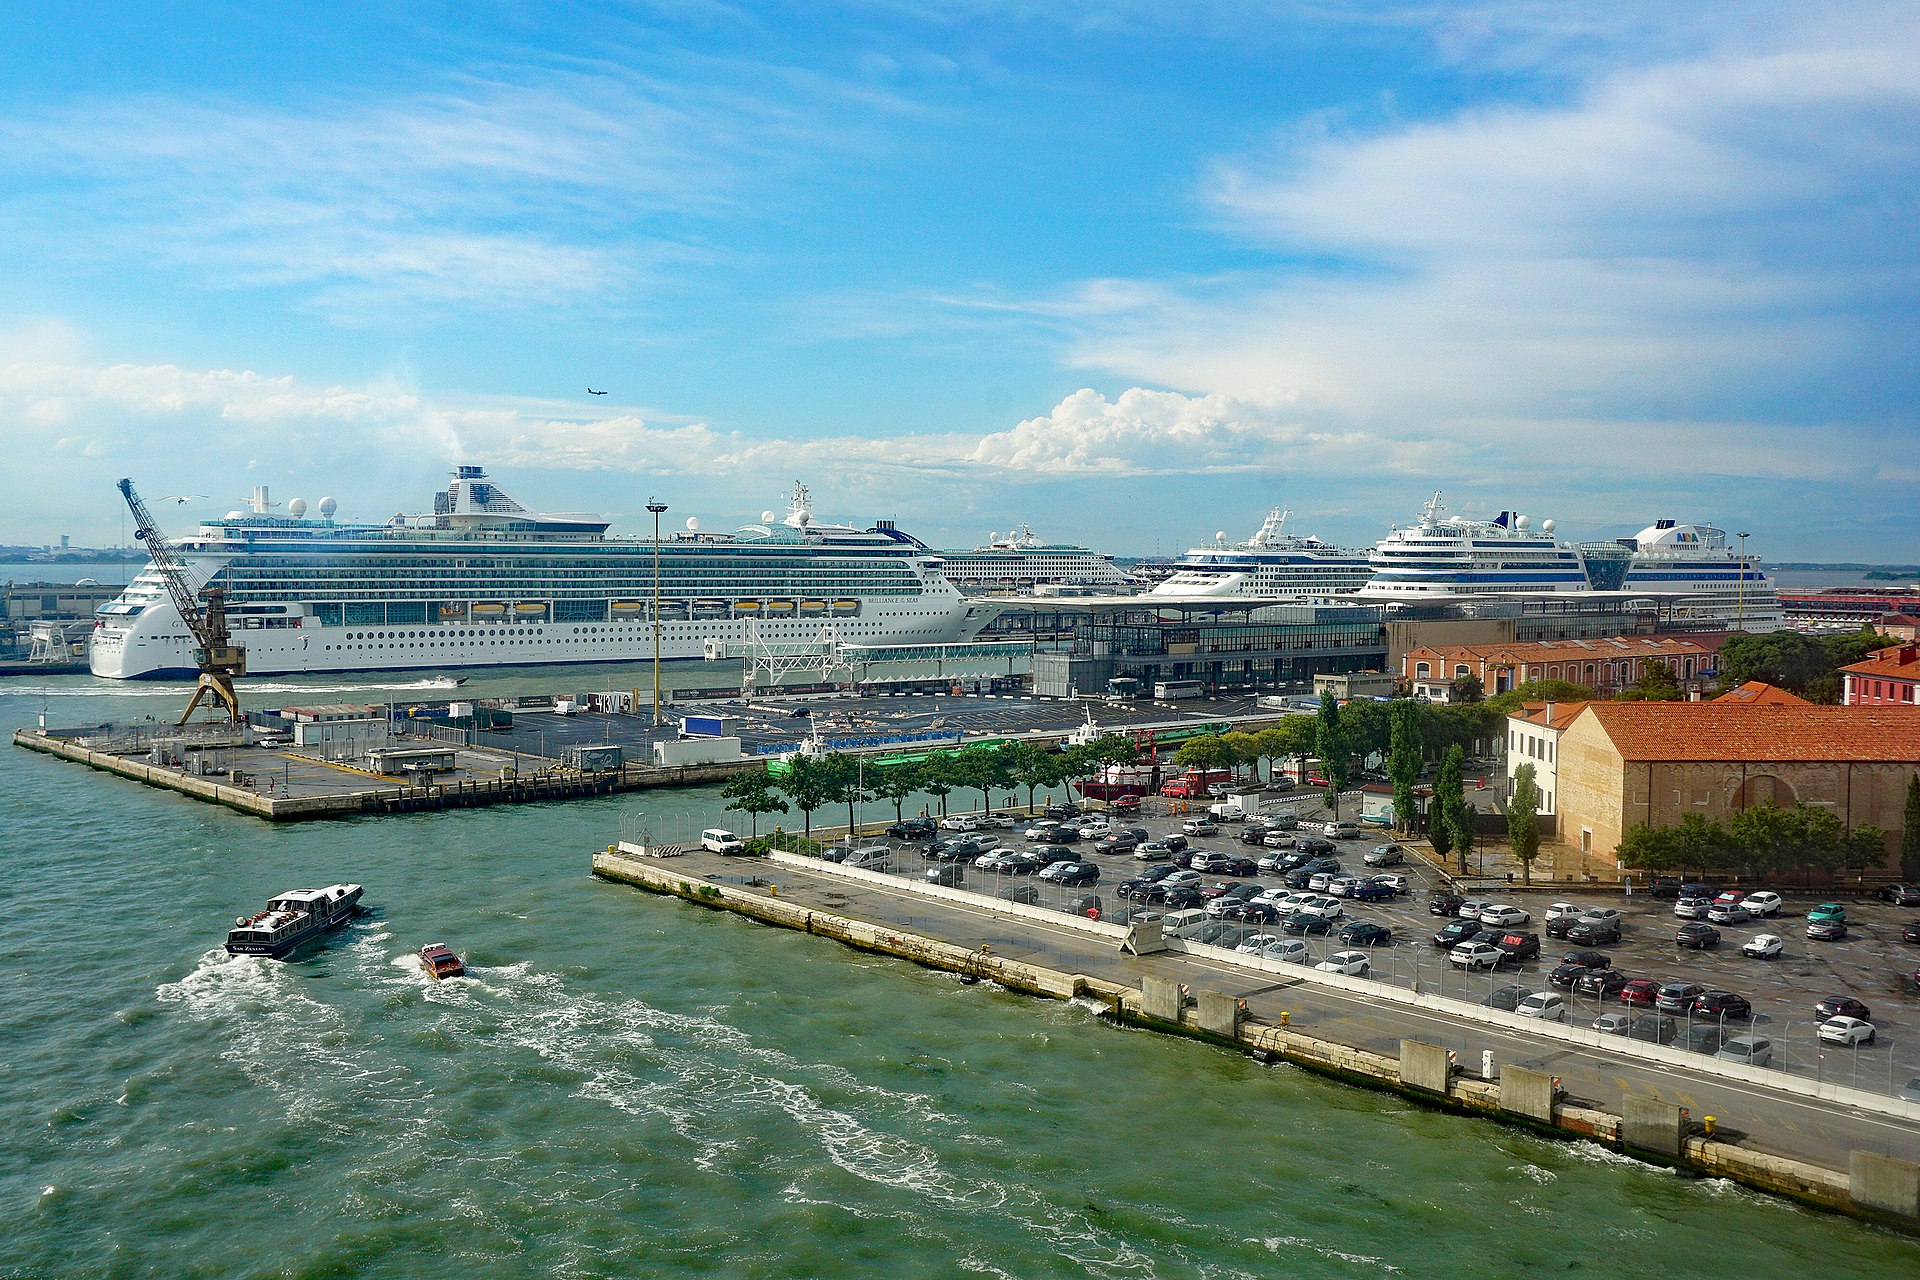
{"points": [[1535, 1172], [1275, 1244]]}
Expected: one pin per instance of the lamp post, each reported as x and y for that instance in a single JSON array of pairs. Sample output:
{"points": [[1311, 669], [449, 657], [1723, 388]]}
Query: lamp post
{"points": [[1741, 608], [656, 507]]}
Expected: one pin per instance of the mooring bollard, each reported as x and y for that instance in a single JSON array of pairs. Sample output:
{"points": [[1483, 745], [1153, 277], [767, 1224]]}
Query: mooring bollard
{"points": [[1707, 1124], [1286, 1019]]}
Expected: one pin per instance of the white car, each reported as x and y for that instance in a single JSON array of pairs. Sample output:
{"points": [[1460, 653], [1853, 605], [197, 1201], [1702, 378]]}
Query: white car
{"points": [[1352, 963], [1763, 946], [1098, 824], [1343, 886], [1393, 881], [1472, 907], [993, 859], [1291, 950], [1002, 821], [1504, 914], [1322, 881], [1545, 1005], [1199, 827], [1614, 1024], [959, 822], [1563, 911], [1601, 916], [1258, 942], [1476, 955], [1325, 908], [1764, 903], [1728, 913], [1693, 908], [1847, 1031], [1040, 831]]}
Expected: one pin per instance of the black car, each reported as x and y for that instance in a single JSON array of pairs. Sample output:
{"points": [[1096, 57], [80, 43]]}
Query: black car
{"points": [[1900, 895], [1701, 1038], [1665, 887], [1605, 983], [1307, 922], [1591, 933], [1252, 835], [1182, 896], [1654, 1028], [1722, 1004], [1841, 1007], [1588, 959], [1235, 866], [964, 849], [1066, 833], [1518, 946], [1507, 998], [1827, 930], [1457, 932], [1560, 926], [1052, 853], [1566, 975], [1062, 811], [1365, 933], [1911, 933], [1076, 873], [1697, 936], [1256, 913], [912, 829], [1445, 904]]}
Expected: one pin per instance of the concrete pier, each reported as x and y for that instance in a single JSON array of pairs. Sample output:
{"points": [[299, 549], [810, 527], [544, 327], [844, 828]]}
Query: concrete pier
{"points": [[1196, 994]]}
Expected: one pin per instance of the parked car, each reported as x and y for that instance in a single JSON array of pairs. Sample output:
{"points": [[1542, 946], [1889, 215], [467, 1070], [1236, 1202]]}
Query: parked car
{"points": [[1291, 950], [1072, 873], [1605, 983], [1723, 1005], [1846, 1031], [1121, 842], [1385, 855], [1617, 1024], [1471, 908], [1900, 895], [1763, 946], [1827, 911], [1654, 1028], [951, 875], [1518, 946], [1307, 922], [1754, 1051], [1352, 963], [1560, 926], [1025, 894], [1365, 933], [1841, 1007], [1728, 913], [963, 849], [1564, 976], [1641, 992], [1124, 804], [1507, 999], [1259, 942], [912, 829], [1697, 936], [1393, 880], [1727, 897], [1664, 887], [1678, 997], [1152, 851], [1445, 904], [1372, 890], [1504, 914], [1692, 908], [1764, 902], [1601, 915], [1042, 830], [1544, 1005], [959, 822], [1590, 959], [1200, 827], [1256, 835], [995, 821], [1592, 933], [1700, 1038], [1476, 955], [1563, 911], [1067, 810], [1459, 931], [1826, 930]]}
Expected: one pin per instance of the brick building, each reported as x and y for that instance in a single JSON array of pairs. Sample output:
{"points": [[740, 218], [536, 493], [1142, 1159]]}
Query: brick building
{"points": [[1533, 737], [1623, 764], [1604, 666], [1887, 678]]}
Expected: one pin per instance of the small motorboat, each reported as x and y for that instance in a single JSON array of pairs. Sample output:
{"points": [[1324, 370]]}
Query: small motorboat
{"points": [[438, 960]]}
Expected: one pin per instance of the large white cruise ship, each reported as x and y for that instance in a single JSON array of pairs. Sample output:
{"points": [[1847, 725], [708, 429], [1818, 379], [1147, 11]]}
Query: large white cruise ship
{"points": [[1017, 563], [1692, 571], [485, 581], [1443, 556], [1272, 562]]}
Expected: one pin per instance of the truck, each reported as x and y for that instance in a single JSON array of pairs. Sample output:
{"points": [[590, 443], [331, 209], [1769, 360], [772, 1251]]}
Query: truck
{"points": [[1193, 784], [1237, 805]]}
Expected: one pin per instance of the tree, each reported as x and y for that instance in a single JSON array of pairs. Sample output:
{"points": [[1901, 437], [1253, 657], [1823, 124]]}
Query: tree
{"points": [[1701, 844], [1403, 762], [1785, 658], [1657, 683], [752, 793], [1330, 741], [1910, 831], [1645, 848], [1209, 751], [1288, 740], [1538, 691], [982, 769], [1769, 836], [845, 783], [895, 783], [1368, 728], [1523, 820], [809, 783], [938, 777], [1464, 835], [1244, 748], [1449, 797], [1468, 689], [1863, 848], [1030, 765]]}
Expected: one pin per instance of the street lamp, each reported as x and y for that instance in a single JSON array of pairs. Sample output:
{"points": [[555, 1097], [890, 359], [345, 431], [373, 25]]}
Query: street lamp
{"points": [[1741, 608], [656, 507]]}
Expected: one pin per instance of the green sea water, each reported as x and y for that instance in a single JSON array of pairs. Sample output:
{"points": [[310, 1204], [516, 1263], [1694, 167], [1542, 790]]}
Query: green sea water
{"points": [[630, 1086]]}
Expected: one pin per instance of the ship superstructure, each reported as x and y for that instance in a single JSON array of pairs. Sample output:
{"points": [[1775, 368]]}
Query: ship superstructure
{"points": [[1018, 563], [1272, 562], [1443, 555], [486, 581]]}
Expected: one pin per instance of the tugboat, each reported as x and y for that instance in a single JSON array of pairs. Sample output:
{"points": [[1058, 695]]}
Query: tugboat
{"points": [[438, 960], [293, 918]]}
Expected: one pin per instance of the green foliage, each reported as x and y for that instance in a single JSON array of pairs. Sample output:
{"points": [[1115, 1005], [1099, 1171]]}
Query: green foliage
{"points": [[1468, 689], [1403, 761], [1464, 835], [1910, 831], [1449, 797], [1538, 691], [1657, 683], [1523, 820], [1330, 742], [938, 777], [1210, 751], [1034, 766], [1288, 740], [983, 769], [1243, 748], [1368, 728], [1808, 666], [845, 783], [896, 784], [1763, 839], [752, 792], [809, 783], [1850, 647]]}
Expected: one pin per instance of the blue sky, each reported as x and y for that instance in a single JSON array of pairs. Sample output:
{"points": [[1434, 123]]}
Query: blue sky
{"points": [[1131, 272]]}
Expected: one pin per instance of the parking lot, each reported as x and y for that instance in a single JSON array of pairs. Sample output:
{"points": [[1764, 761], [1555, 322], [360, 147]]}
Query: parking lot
{"points": [[1872, 964]]}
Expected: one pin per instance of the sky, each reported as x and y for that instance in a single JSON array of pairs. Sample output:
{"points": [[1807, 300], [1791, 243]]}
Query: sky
{"points": [[1129, 272]]}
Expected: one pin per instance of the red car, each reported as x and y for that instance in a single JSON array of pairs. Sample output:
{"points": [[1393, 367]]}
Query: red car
{"points": [[1125, 804], [1641, 991]]}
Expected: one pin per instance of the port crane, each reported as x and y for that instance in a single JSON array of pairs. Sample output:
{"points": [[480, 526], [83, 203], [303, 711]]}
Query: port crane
{"points": [[206, 616]]}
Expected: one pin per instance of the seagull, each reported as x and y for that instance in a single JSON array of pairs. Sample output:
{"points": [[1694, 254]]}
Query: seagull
{"points": [[182, 498], [592, 392]]}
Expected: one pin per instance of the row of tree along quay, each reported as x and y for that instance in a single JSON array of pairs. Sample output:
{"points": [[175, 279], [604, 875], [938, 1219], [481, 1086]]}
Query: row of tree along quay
{"points": [[1767, 840]]}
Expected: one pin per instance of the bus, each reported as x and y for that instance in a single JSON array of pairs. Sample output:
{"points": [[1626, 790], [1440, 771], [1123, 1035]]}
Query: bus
{"points": [[1173, 690], [1122, 689]]}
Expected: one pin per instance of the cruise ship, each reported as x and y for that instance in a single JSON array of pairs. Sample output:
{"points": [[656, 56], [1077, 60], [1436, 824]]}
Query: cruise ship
{"points": [[1693, 571], [1443, 556], [485, 581], [1272, 562], [1018, 563]]}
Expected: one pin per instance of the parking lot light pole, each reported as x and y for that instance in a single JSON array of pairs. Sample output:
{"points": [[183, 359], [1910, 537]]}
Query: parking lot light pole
{"points": [[656, 508]]}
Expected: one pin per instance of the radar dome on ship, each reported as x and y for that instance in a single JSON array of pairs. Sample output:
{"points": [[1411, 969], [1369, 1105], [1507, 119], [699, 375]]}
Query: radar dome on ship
{"points": [[327, 507], [236, 515], [693, 524], [1520, 522], [297, 508], [1546, 526], [768, 517]]}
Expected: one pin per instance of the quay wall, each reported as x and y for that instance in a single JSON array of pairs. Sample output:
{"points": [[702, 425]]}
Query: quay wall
{"points": [[1421, 1071]]}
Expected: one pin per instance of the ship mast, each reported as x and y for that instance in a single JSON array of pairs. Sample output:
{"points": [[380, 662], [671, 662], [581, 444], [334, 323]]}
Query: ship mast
{"points": [[219, 660]]}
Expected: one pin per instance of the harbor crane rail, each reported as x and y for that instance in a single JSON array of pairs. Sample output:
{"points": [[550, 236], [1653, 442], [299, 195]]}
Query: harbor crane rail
{"points": [[218, 658]]}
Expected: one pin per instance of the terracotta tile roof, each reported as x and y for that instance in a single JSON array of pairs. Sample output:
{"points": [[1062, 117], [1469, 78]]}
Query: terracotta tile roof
{"points": [[1766, 732], [1901, 662], [1535, 713], [1755, 693], [1531, 651]]}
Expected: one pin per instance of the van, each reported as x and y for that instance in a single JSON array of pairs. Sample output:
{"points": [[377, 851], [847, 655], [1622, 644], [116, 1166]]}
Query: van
{"points": [[950, 874], [868, 855], [1176, 920], [721, 840]]}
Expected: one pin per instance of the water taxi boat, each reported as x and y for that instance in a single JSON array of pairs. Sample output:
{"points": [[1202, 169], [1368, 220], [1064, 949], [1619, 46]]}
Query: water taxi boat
{"points": [[292, 919], [438, 960]]}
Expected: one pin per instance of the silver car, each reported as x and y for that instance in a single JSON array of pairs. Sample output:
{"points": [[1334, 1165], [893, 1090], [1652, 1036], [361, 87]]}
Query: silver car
{"points": [[1755, 1051]]}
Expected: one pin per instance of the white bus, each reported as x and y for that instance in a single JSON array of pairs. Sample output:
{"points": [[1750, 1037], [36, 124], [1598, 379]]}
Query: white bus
{"points": [[1172, 690]]}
